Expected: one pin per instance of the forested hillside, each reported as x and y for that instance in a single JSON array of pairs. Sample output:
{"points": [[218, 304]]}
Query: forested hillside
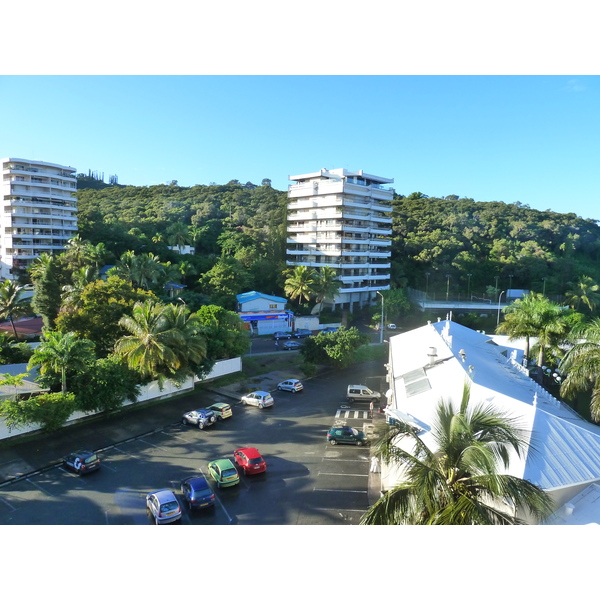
{"points": [[445, 245], [522, 247]]}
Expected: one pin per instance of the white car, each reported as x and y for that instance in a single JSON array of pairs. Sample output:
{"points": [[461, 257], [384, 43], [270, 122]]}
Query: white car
{"points": [[260, 399], [391, 326], [290, 385], [163, 506]]}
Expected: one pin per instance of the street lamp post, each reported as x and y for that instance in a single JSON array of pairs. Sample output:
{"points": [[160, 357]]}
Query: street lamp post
{"points": [[427, 284], [447, 286], [382, 321], [469, 275], [499, 298]]}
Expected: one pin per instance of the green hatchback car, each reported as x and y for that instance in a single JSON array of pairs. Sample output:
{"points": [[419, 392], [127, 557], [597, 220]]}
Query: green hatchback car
{"points": [[222, 410], [223, 472]]}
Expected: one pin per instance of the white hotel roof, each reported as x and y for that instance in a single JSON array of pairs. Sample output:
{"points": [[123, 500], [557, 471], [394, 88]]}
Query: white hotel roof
{"points": [[566, 448]]}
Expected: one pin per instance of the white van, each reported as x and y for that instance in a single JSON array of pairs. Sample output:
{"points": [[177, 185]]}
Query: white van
{"points": [[361, 392]]}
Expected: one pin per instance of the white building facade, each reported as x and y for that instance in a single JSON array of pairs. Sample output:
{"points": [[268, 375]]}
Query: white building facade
{"points": [[39, 212], [342, 219]]}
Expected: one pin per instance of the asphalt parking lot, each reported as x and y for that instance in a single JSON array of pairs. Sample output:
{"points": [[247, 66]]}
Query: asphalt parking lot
{"points": [[307, 480]]}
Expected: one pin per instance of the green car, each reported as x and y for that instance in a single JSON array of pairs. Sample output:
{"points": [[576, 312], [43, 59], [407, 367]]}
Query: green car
{"points": [[223, 472], [221, 409]]}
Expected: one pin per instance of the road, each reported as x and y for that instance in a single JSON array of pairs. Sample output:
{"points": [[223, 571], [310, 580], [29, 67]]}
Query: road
{"points": [[307, 482]]}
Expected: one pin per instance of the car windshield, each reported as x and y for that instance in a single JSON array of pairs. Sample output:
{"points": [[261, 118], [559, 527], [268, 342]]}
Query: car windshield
{"points": [[228, 472], [255, 461], [168, 506], [90, 459]]}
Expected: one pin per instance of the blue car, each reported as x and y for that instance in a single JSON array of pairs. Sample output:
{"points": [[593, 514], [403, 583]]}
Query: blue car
{"points": [[197, 492]]}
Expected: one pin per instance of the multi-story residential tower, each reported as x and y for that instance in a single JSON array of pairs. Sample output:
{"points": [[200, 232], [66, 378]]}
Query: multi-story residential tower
{"points": [[343, 219], [39, 212]]}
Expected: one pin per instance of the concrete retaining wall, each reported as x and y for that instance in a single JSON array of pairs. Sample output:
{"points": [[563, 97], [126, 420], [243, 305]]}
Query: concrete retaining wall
{"points": [[150, 391]]}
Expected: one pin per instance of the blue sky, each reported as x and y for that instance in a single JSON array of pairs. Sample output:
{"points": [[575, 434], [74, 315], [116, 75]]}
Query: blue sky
{"points": [[531, 139]]}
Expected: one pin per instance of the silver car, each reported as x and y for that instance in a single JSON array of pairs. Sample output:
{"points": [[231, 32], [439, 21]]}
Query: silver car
{"points": [[260, 399], [163, 506], [291, 385]]}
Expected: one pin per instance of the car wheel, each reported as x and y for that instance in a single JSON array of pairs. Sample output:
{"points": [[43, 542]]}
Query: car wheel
{"points": [[359, 443], [293, 390], [333, 442], [184, 421], [200, 425], [213, 419], [260, 406], [279, 388]]}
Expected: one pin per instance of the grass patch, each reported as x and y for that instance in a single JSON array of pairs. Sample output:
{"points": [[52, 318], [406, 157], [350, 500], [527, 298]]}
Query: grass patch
{"points": [[254, 366], [378, 352]]}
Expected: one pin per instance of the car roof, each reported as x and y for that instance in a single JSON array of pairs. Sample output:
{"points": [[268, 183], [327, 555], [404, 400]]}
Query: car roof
{"points": [[165, 495], [219, 405], [82, 453], [250, 452], [198, 482], [292, 381], [222, 463]]}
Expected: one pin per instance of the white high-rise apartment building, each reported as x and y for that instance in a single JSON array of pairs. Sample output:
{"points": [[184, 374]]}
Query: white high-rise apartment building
{"points": [[343, 219], [39, 212]]}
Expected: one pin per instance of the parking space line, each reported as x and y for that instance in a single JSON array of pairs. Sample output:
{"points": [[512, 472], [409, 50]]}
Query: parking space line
{"points": [[219, 501], [7, 503], [345, 474], [365, 459], [39, 487], [337, 491], [153, 445]]}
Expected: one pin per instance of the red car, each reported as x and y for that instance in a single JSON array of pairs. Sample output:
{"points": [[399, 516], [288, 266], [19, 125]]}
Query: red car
{"points": [[250, 460]]}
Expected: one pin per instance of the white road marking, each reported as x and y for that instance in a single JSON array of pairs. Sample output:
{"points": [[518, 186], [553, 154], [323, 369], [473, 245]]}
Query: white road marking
{"points": [[39, 487], [345, 474], [7, 503]]}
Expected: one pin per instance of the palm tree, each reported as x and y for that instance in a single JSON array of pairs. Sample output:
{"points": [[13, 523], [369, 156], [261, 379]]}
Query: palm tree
{"points": [[458, 482], [71, 294], [11, 304], [585, 291], [534, 315], [189, 344], [178, 235], [147, 270], [125, 266], [299, 283], [581, 365], [326, 284], [166, 341], [61, 351]]}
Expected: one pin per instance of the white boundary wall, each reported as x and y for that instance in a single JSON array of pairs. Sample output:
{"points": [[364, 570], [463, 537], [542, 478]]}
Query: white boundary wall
{"points": [[149, 391]]}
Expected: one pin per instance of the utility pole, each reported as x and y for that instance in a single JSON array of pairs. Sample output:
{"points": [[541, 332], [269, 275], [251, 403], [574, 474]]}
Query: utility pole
{"points": [[382, 320]]}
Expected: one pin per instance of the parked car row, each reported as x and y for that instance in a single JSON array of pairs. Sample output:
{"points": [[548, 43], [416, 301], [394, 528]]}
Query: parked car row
{"points": [[301, 333], [163, 505], [298, 333], [203, 417]]}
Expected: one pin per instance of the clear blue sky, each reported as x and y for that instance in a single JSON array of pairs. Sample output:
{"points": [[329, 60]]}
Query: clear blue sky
{"points": [[531, 139]]}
